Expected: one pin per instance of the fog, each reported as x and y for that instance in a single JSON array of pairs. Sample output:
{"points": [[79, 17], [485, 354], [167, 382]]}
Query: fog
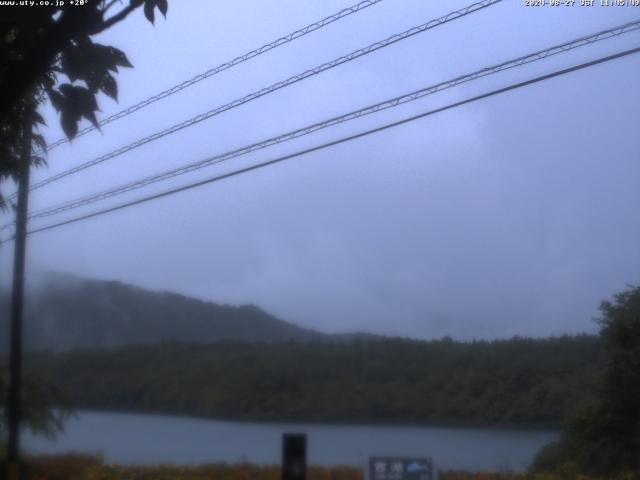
{"points": [[514, 215]]}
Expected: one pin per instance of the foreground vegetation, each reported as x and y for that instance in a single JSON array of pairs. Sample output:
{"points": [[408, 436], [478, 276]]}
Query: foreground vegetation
{"points": [[518, 382], [562, 475], [82, 467], [604, 438]]}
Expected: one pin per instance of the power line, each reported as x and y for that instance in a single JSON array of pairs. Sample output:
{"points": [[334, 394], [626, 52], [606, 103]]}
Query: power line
{"points": [[342, 140], [224, 66], [276, 86], [523, 60]]}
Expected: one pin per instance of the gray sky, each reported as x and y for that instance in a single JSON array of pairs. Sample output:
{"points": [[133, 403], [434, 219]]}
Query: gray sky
{"points": [[513, 215]]}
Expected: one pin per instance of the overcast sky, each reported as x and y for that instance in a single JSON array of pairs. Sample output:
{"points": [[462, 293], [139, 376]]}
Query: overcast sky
{"points": [[512, 215]]}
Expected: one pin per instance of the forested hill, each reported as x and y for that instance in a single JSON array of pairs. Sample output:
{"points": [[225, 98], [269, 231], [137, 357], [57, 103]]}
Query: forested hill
{"points": [[519, 382], [67, 313]]}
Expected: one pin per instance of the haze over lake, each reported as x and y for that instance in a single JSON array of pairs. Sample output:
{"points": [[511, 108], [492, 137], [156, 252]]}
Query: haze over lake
{"points": [[153, 439]]}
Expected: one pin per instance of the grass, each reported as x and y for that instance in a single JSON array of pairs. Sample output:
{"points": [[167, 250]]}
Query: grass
{"points": [[86, 467]]}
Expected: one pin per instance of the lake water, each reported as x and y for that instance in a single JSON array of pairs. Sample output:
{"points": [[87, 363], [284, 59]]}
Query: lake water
{"points": [[153, 439]]}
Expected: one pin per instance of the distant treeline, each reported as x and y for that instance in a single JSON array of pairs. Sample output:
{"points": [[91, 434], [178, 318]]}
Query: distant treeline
{"points": [[517, 382]]}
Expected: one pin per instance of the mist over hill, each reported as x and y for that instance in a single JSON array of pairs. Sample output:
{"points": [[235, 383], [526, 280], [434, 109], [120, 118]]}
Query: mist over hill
{"points": [[67, 313], [117, 341]]}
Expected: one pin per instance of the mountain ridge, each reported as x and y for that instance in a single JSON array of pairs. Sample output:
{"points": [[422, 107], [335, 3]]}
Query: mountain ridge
{"points": [[65, 312]]}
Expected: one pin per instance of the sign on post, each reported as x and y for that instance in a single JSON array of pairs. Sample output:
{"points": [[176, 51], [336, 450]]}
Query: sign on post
{"points": [[393, 468], [294, 456]]}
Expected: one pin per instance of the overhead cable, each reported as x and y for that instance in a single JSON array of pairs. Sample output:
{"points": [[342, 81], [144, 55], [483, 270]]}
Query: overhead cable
{"points": [[339, 141], [272, 88], [224, 66], [399, 100]]}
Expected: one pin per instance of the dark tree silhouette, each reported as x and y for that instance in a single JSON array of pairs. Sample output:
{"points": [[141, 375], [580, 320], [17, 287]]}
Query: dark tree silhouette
{"points": [[38, 397], [48, 53], [605, 439]]}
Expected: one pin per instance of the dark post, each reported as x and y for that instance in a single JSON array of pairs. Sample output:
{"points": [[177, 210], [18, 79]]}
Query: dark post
{"points": [[15, 355], [294, 456]]}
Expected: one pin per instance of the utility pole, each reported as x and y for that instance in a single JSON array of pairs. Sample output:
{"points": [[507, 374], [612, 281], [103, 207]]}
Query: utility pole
{"points": [[17, 302]]}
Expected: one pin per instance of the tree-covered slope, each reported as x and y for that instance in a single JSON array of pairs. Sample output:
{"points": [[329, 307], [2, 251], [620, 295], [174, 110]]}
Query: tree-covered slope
{"points": [[513, 382]]}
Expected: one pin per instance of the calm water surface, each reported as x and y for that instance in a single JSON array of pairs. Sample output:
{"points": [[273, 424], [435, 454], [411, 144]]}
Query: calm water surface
{"points": [[153, 439]]}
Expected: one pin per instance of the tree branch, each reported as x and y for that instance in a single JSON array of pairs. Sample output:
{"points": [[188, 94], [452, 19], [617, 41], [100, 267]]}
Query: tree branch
{"points": [[109, 5], [118, 17]]}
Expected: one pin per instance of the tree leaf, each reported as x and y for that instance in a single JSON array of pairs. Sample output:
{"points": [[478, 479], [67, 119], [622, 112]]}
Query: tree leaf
{"points": [[109, 86], [119, 57], [76, 102], [163, 6], [38, 119], [92, 63], [56, 100], [149, 6], [39, 141], [38, 161], [69, 122]]}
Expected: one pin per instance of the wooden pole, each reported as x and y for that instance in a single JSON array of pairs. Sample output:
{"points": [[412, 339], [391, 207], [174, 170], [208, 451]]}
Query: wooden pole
{"points": [[17, 303]]}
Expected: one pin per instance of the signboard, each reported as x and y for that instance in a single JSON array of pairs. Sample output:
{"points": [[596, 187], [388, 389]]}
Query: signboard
{"points": [[391, 468]]}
